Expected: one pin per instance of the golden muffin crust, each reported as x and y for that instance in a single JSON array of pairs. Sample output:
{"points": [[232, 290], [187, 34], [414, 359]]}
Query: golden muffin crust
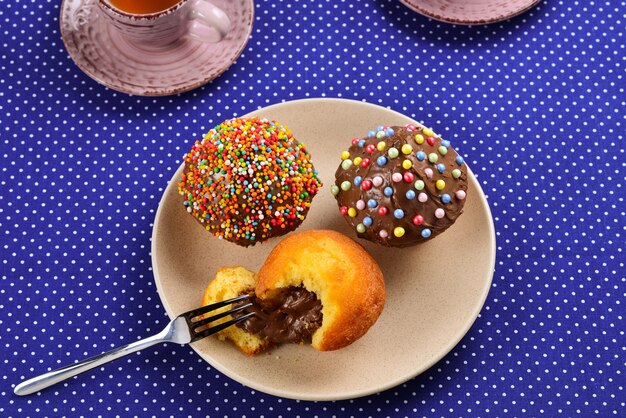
{"points": [[230, 282], [344, 276]]}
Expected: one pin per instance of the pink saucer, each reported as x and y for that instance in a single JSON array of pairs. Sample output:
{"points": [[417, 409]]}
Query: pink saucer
{"points": [[103, 54], [470, 12]]}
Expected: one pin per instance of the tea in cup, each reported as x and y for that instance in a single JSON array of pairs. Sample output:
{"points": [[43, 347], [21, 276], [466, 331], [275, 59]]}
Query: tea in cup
{"points": [[162, 22]]}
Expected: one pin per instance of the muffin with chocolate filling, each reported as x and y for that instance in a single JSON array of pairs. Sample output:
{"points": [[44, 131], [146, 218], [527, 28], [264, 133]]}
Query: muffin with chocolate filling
{"points": [[316, 287], [400, 185], [248, 180]]}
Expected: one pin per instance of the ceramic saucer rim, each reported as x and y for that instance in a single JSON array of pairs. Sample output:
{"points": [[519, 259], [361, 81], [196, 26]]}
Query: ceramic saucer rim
{"points": [[412, 4], [75, 53]]}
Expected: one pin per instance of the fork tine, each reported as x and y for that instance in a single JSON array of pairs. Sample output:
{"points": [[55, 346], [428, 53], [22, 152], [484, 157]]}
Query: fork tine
{"points": [[210, 331], [208, 308], [205, 321]]}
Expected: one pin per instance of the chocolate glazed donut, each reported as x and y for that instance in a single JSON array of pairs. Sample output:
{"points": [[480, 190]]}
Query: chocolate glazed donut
{"points": [[400, 185]]}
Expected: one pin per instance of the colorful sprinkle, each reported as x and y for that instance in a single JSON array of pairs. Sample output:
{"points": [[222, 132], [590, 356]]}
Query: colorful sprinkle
{"points": [[361, 143], [247, 179], [334, 190], [371, 134], [411, 148], [355, 141], [346, 164], [345, 185], [343, 210], [428, 132]]}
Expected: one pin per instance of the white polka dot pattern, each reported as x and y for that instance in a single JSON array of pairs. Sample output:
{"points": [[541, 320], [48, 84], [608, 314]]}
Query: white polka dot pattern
{"points": [[535, 103]]}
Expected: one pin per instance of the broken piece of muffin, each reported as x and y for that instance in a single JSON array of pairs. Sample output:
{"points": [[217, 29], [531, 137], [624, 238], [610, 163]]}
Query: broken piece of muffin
{"points": [[318, 287]]}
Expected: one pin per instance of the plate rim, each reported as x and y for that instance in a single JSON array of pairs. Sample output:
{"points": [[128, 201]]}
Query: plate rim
{"points": [[358, 393], [152, 93], [411, 4]]}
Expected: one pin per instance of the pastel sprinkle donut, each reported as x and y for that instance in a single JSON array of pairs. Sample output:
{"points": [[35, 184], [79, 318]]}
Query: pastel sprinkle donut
{"points": [[416, 189]]}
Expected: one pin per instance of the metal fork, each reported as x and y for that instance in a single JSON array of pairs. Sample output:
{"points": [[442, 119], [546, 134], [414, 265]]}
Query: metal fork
{"points": [[185, 328]]}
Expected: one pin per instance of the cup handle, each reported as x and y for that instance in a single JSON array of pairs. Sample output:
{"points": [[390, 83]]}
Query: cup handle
{"points": [[209, 23]]}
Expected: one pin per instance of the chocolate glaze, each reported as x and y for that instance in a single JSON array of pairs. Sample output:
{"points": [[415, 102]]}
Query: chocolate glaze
{"points": [[289, 315], [398, 200]]}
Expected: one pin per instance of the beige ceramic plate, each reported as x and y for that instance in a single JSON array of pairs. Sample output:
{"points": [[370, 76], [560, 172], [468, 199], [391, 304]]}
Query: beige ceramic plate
{"points": [[470, 12], [434, 291]]}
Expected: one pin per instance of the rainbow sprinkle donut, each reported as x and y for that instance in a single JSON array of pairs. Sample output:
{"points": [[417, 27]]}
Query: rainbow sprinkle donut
{"points": [[248, 180]]}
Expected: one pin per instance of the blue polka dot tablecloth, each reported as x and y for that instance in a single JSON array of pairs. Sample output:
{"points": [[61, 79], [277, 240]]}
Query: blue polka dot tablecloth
{"points": [[537, 104]]}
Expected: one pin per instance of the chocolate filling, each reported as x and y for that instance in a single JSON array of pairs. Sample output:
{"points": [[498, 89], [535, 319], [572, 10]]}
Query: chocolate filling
{"points": [[288, 315]]}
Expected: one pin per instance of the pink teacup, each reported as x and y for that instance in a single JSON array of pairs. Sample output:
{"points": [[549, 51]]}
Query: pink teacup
{"points": [[198, 19]]}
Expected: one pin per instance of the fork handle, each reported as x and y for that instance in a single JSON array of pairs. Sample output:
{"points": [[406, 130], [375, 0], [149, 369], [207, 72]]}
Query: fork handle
{"points": [[48, 379]]}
